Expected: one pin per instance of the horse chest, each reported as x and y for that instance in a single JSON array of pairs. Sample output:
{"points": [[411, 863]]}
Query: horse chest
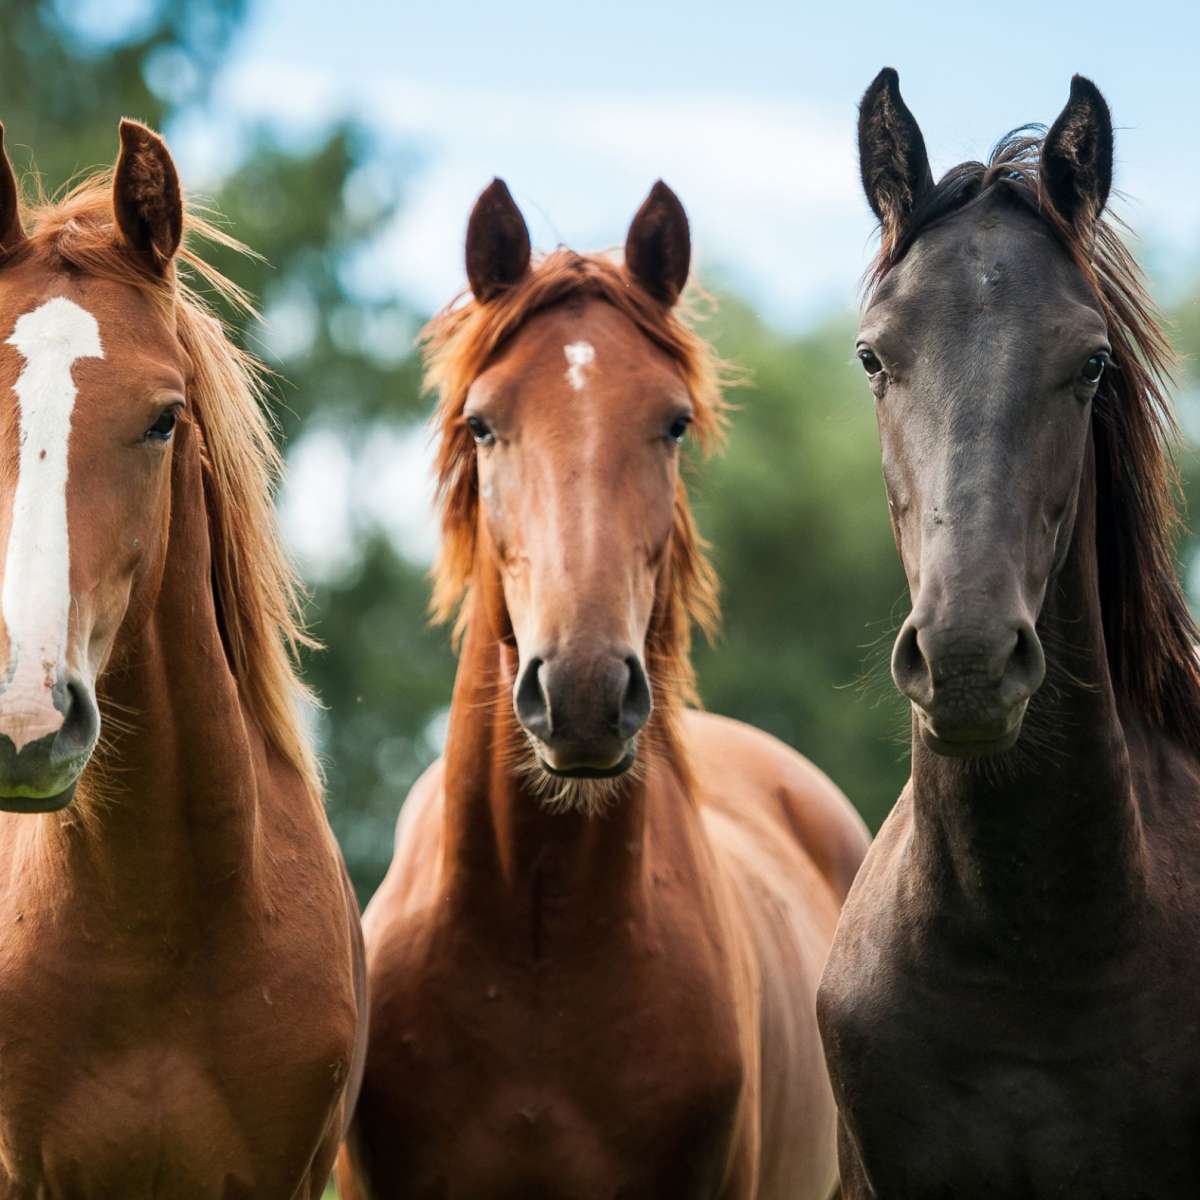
{"points": [[550, 1090], [992, 1091], [182, 1077]]}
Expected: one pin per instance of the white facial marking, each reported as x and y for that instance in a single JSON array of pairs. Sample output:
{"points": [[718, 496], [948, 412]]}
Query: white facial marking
{"points": [[580, 356], [36, 600]]}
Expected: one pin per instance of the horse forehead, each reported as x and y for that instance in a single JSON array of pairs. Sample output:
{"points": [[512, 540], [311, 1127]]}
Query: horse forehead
{"points": [[590, 336], [995, 251], [987, 272]]}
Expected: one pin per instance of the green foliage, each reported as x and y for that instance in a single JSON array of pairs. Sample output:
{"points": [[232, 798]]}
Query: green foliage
{"points": [[812, 587], [345, 364], [62, 92], [385, 682]]}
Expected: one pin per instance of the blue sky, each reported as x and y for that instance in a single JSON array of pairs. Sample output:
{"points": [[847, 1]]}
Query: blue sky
{"points": [[746, 109]]}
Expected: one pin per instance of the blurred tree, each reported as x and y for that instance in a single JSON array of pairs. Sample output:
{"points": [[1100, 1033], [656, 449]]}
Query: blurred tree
{"points": [[70, 70], [813, 590], [346, 369]]}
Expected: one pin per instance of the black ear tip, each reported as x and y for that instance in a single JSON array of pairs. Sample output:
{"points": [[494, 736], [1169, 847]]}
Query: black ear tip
{"points": [[1084, 89], [888, 80], [661, 194]]}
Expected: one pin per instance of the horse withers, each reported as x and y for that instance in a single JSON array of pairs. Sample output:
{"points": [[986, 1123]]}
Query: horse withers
{"points": [[181, 982], [1009, 1006], [594, 960]]}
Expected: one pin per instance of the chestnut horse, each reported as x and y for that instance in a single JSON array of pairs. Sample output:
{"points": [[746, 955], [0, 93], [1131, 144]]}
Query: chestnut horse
{"points": [[594, 960], [1010, 1005], [182, 999]]}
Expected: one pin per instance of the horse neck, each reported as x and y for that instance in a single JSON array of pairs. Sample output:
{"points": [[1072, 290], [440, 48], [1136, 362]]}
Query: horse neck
{"points": [[507, 858], [172, 804], [1054, 826]]}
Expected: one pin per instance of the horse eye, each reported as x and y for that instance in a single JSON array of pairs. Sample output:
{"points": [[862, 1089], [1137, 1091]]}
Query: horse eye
{"points": [[678, 428], [162, 429], [870, 361], [480, 432], [1094, 368]]}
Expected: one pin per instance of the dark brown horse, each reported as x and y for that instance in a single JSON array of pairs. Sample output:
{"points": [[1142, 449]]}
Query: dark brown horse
{"points": [[1010, 1007], [181, 983], [594, 961]]}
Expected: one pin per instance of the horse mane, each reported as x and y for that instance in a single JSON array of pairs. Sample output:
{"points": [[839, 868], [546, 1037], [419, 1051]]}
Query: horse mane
{"points": [[257, 594], [460, 342], [1150, 635]]}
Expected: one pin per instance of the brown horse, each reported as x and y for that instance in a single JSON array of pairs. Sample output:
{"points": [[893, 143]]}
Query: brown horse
{"points": [[1010, 1006], [594, 960], [181, 965]]}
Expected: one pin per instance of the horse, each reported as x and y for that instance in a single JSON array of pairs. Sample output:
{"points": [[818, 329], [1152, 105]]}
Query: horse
{"points": [[593, 961], [183, 982], [1009, 1006]]}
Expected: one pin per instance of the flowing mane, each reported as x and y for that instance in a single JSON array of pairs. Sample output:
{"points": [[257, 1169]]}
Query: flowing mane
{"points": [[1150, 634], [255, 589], [461, 341]]}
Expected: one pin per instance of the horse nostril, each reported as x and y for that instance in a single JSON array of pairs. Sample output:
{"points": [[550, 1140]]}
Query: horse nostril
{"points": [[530, 702], [636, 703], [909, 667], [81, 724], [1026, 667]]}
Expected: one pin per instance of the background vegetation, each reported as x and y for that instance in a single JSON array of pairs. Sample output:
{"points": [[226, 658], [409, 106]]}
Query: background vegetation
{"points": [[795, 509]]}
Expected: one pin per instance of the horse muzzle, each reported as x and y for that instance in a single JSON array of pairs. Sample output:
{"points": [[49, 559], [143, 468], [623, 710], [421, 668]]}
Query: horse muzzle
{"points": [[583, 711], [44, 748], [970, 687]]}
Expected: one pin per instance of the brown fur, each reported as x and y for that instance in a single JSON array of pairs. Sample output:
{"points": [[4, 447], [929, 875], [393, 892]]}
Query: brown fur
{"points": [[183, 966], [460, 342], [257, 590], [567, 1003]]}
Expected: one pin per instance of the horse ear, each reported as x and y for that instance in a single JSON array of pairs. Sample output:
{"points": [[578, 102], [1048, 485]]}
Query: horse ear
{"points": [[1077, 155], [497, 242], [11, 233], [658, 247], [147, 202], [891, 153]]}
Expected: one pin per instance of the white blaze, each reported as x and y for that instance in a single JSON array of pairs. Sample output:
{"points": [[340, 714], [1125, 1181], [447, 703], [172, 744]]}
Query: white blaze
{"points": [[580, 356], [36, 600]]}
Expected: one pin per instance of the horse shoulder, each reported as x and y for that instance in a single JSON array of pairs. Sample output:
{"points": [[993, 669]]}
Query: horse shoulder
{"points": [[789, 842], [754, 777]]}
